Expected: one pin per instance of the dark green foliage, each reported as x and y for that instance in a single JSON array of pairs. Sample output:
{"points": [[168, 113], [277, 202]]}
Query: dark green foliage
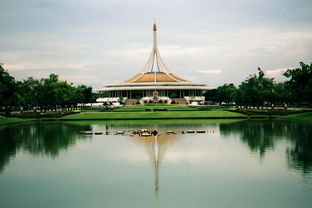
{"points": [[7, 88], [282, 93], [300, 83], [46, 93], [211, 95], [173, 95], [50, 93], [256, 90], [226, 93], [88, 95]]}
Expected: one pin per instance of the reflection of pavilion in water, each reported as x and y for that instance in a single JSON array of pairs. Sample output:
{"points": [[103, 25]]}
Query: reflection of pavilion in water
{"points": [[156, 147]]}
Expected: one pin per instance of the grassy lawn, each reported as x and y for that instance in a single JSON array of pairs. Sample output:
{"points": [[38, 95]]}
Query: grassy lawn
{"points": [[47, 114], [168, 117], [153, 122], [300, 116], [137, 108], [154, 115], [4, 121]]}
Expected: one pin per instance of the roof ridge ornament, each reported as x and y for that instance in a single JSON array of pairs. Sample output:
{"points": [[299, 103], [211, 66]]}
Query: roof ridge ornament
{"points": [[155, 25]]}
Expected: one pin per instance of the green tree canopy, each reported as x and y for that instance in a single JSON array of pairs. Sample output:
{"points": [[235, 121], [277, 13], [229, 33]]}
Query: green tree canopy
{"points": [[226, 93], [256, 89], [46, 93], [7, 88], [300, 82]]}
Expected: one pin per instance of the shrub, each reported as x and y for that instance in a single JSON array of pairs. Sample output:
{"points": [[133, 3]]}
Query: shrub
{"points": [[173, 95]]}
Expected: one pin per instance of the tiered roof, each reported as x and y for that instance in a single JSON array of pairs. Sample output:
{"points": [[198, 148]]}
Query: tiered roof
{"points": [[155, 77]]}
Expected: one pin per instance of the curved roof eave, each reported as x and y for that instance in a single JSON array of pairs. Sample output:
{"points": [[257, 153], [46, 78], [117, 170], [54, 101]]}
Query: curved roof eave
{"points": [[156, 84], [156, 88]]}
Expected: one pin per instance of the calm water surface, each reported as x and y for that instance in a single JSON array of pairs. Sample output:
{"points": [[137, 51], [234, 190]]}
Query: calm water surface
{"points": [[234, 164]]}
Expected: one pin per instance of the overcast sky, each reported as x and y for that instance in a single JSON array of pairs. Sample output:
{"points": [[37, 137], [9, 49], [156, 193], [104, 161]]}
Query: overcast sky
{"points": [[96, 42]]}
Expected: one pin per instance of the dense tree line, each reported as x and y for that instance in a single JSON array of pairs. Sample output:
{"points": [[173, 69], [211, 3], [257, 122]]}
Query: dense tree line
{"points": [[41, 94], [258, 90]]}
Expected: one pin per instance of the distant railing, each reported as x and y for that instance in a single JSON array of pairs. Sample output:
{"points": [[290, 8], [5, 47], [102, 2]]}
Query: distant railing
{"points": [[194, 100]]}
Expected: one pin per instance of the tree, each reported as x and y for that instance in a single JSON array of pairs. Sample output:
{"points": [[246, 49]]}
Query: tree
{"points": [[7, 90], [282, 93], [226, 93], [77, 96], [88, 96], [63, 94], [46, 93], [300, 83], [27, 92], [256, 90], [210, 95]]}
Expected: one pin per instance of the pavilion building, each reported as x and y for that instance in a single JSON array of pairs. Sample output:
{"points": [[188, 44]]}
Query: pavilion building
{"points": [[155, 83]]}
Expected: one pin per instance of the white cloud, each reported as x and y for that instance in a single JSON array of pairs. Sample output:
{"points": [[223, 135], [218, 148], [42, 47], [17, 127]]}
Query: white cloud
{"points": [[210, 71], [34, 66], [276, 72]]}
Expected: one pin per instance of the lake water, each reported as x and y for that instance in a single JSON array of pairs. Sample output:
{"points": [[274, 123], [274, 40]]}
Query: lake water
{"points": [[234, 164]]}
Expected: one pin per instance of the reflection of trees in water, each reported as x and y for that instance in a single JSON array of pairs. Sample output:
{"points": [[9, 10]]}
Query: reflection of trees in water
{"points": [[257, 135], [300, 154], [38, 139], [262, 135]]}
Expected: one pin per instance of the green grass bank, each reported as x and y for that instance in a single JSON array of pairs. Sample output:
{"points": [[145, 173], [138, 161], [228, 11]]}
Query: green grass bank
{"points": [[154, 115], [7, 121], [161, 116], [300, 116]]}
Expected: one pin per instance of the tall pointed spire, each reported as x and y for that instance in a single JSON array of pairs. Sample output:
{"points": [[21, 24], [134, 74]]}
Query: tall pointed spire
{"points": [[155, 26], [155, 63], [155, 70], [155, 51]]}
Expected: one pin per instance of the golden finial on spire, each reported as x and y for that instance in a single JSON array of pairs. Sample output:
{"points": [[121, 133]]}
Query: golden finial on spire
{"points": [[155, 27]]}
